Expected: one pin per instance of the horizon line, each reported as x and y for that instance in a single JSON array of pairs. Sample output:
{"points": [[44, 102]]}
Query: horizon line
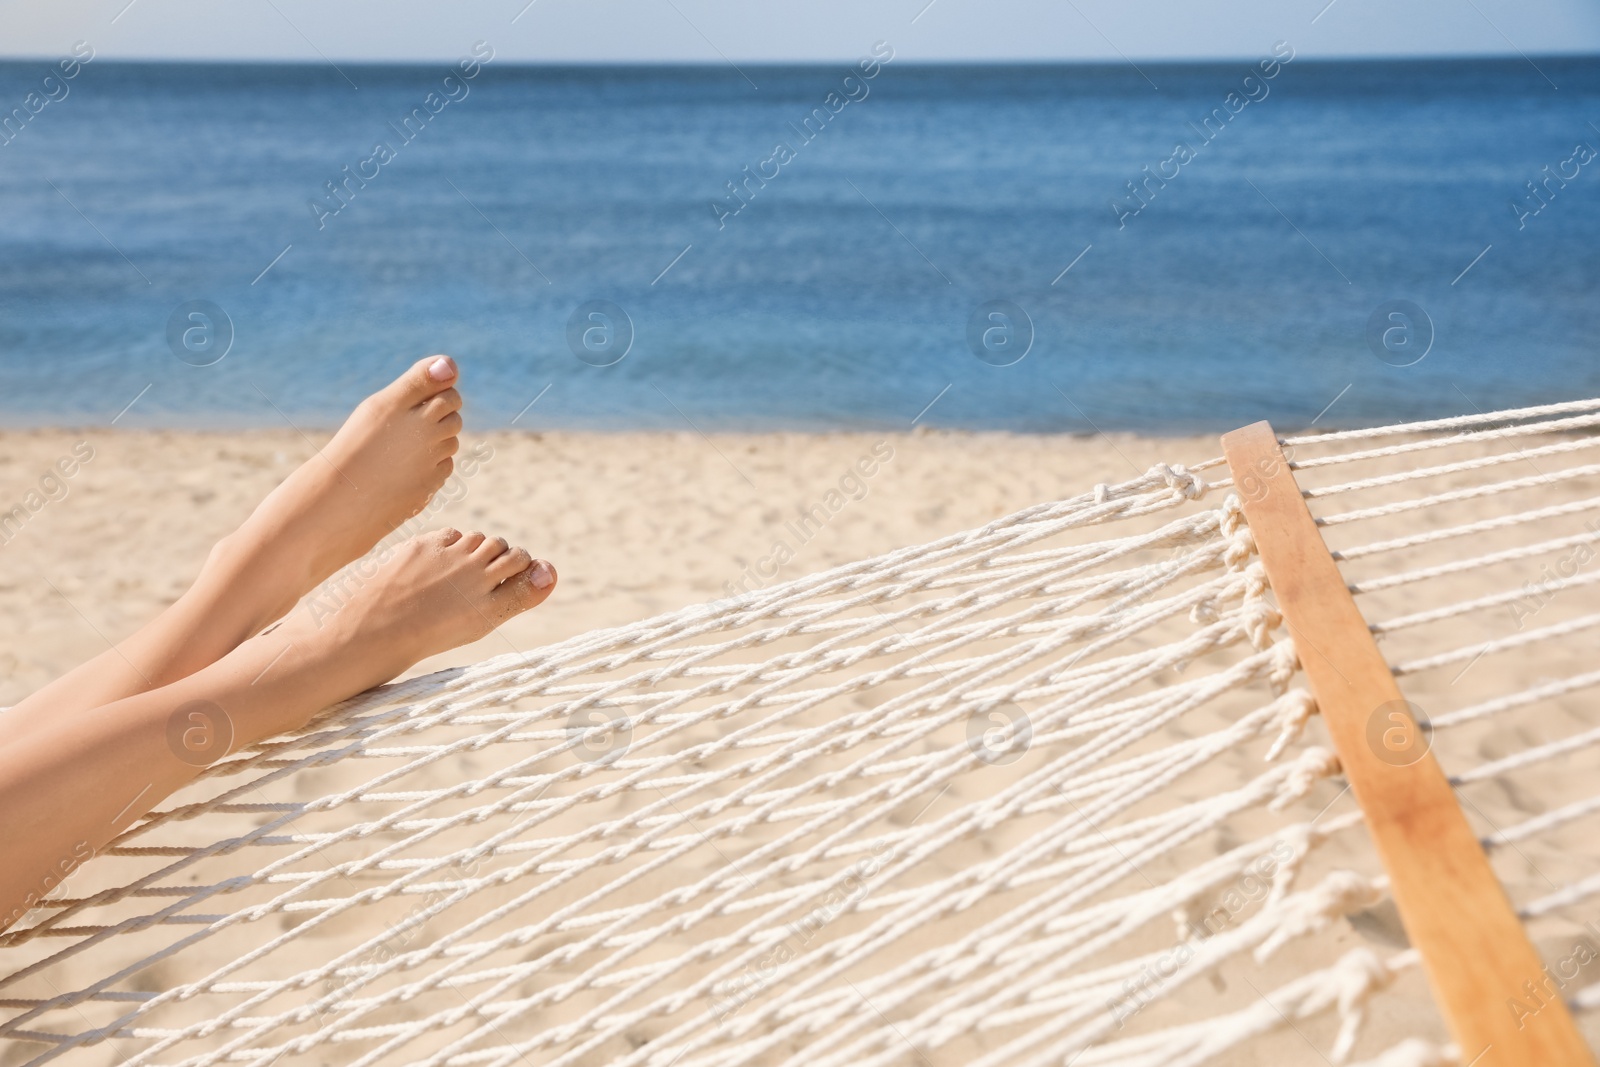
{"points": [[281, 61]]}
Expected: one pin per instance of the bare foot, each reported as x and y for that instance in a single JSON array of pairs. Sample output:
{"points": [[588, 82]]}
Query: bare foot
{"points": [[64, 786], [434, 592], [382, 467]]}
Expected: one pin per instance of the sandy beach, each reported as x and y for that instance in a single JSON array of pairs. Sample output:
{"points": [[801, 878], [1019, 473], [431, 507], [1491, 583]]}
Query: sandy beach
{"points": [[636, 524], [641, 524]]}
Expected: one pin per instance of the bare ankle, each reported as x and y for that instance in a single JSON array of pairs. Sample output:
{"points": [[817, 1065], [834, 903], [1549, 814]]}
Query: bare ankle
{"points": [[236, 565]]}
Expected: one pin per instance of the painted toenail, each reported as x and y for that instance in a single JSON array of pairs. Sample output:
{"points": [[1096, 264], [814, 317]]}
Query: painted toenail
{"points": [[441, 370], [541, 574]]}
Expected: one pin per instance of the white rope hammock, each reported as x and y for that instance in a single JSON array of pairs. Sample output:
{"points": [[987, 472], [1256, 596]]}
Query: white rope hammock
{"points": [[1032, 794]]}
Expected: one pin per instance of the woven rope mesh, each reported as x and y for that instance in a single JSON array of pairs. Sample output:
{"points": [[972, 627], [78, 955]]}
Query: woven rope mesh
{"points": [[1002, 798]]}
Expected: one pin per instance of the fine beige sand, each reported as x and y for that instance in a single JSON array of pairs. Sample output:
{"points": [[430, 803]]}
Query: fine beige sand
{"points": [[635, 524], [639, 524]]}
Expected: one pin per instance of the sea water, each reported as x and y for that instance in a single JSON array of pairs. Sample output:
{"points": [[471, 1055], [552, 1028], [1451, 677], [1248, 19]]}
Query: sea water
{"points": [[1167, 248]]}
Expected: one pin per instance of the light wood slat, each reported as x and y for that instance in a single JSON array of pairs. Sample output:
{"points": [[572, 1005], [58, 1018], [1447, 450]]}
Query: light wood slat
{"points": [[1474, 949]]}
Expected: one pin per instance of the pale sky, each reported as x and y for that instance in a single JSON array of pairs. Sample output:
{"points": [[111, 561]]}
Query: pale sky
{"points": [[712, 31]]}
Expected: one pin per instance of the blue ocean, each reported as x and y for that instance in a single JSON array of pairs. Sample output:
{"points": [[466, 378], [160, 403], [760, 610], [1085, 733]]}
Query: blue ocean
{"points": [[1163, 248]]}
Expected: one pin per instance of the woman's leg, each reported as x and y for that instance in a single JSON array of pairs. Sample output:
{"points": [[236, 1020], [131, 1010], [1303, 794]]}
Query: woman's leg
{"points": [[74, 782], [382, 467]]}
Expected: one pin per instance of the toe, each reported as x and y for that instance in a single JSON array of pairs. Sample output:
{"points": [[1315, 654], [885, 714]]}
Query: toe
{"points": [[450, 425], [527, 589], [471, 541], [448, 536], [492, 548], [426, 378], [509, 564], [439, 406]]}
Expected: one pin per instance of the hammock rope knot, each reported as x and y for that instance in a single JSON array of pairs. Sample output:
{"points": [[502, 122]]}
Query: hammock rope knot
{"points": [[1312, 765], [1292, 711]]}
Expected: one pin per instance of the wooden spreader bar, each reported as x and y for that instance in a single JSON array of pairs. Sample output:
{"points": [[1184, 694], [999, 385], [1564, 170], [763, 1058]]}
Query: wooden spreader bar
{"points": [[1474, 949]]}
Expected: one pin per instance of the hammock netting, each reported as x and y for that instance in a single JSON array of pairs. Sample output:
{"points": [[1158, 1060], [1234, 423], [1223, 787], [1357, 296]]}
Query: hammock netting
{"points": [[1047, 792]]}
